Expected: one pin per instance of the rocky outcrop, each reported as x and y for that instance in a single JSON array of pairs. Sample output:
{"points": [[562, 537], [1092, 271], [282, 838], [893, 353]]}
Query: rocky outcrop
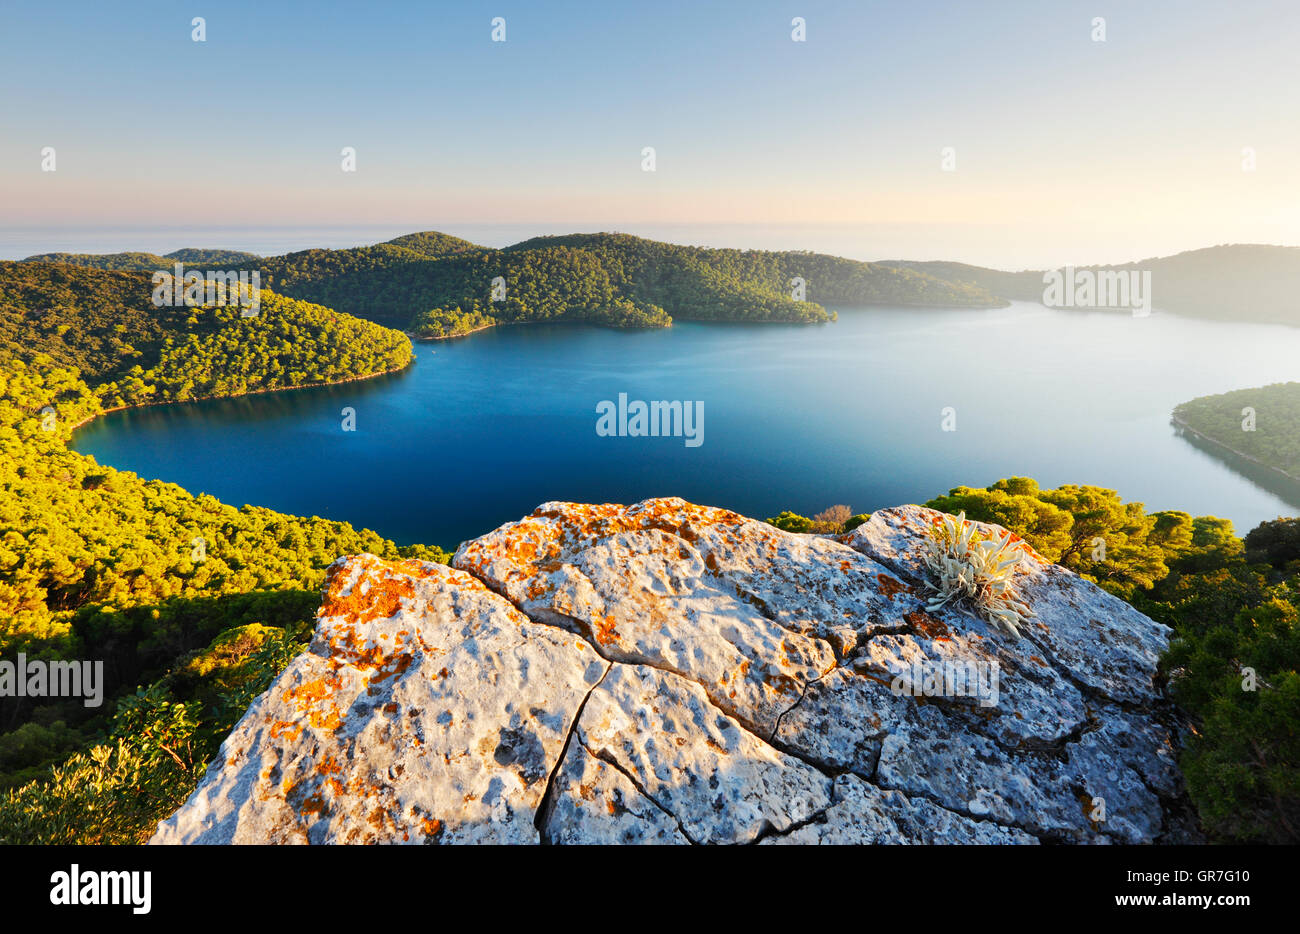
{"points": [[671, 673]]}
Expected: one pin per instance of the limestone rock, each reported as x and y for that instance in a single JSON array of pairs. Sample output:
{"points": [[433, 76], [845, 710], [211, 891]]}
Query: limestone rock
{"points": [[1098, 639], [866, 814], [427, 709], [672, 673], [640, 584], [594, 802], [721, 783]]}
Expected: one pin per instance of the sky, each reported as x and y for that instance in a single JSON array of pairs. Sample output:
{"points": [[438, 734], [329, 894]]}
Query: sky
{"points": [[1066, 149]]}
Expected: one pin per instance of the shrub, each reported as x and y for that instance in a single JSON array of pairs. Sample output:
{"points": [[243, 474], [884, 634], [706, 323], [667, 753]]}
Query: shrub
{"points": [[791, 522], [162, 739], [980, 571]]}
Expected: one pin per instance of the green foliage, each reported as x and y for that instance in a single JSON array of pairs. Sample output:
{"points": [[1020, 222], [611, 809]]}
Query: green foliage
{"points": [[611, 279], [289, 343], [161, 740], [1276, 543], [433, 244], [1232, 618], [98, 323], [451, 322], [97, 563], [150, 262], [833, 520], [1273, 441], [791, 522], [1088, 529], [27, 753], [82, 319]]}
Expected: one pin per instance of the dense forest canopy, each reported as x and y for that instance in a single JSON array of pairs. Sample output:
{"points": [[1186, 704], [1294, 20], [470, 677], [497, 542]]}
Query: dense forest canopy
{"points": [[1259, 423], [602, 278], [98, 563], [148, 262], [438, 285], [391, 282], [105, 326]]}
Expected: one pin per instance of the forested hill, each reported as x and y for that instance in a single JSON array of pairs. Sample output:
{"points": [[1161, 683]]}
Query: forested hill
{"points": [[1233, 282], [437, 285], [104, 325], [1018, 286], [149, 262], [608, 278], [427, 245], [97, 563], [1259, 423]]}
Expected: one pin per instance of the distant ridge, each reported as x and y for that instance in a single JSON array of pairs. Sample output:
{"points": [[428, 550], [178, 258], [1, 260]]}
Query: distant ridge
{"points": [[139, 262], [1229, 282], [437, 284]]}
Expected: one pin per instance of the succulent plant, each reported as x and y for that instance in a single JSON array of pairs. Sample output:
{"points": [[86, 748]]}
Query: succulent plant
{"points": [[969, 567]]}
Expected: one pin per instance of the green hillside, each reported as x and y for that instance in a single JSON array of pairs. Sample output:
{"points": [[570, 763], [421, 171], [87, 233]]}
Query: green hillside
{"points": [[149, 262], [99, 563], [105, 326], [1270, 436], [613, 279], [628, 281], [437, 285], [1016, 286]]}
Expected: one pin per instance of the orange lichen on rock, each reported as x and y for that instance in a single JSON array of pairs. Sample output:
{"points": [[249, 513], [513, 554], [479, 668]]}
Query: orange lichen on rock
{"points": [[889, 587], [604, 630], [928, 626], [348, 648], [375, 593], [364, 588], [315, 699], [539, 540], [285, 730]]}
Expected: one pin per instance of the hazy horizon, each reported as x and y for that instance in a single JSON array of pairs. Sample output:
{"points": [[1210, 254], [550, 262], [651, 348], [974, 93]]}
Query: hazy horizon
{"points": [[18, 243]]}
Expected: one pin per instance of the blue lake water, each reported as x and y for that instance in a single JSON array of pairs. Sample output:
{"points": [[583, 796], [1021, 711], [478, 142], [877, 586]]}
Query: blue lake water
{"points": [[482, 429]]}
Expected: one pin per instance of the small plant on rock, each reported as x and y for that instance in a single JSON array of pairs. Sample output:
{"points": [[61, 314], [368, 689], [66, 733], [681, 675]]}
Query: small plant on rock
{"points": [[981, 570]]}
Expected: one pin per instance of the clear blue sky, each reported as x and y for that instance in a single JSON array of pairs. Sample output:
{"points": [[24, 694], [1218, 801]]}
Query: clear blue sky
{"points": [[1132, 146]]}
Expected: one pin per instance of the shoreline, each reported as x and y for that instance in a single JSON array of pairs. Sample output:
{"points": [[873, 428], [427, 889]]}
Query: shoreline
{"points": [[868, 305], [449, 337], [1242, 454], [251, 392]]}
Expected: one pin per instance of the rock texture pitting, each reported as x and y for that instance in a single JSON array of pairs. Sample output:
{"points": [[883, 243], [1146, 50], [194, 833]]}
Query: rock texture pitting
{"points": [[673, 673]]}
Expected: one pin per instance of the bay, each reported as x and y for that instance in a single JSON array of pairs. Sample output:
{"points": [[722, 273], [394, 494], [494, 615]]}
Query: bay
{"points": [[483, 429]]}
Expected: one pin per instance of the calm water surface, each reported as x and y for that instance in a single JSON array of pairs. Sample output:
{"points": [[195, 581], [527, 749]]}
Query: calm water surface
{"points": [[481, 430]]}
